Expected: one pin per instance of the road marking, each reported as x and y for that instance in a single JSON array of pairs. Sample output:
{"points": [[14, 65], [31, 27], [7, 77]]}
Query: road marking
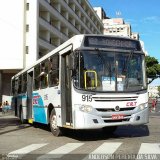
{"points": [[21, 152], [61, 151], [149, 148], [107, 148]]}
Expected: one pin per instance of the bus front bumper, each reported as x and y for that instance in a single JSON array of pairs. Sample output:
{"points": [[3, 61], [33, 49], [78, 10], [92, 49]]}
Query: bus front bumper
{"points": [[84, 120]]}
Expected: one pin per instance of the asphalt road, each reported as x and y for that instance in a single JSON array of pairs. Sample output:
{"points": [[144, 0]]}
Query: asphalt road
{"points": [[24, 141]]}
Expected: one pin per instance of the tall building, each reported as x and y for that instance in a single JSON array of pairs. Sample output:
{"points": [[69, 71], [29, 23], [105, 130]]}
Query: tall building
{"points": [[100, 12], [115, 26], [32, 28]]}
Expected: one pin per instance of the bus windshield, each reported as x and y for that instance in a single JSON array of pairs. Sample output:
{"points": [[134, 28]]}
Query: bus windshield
{"points": [[103, 71]]}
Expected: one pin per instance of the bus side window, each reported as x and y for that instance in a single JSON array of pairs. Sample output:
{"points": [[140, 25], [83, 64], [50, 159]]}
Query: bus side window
{"points": [[24, 83], [16, 86], [13, 86], [54, 71], [36, 77], [44, 74], [20, 84]]}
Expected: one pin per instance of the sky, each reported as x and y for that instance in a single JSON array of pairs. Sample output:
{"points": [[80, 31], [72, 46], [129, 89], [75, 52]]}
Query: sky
{"points": [[143, 15]]}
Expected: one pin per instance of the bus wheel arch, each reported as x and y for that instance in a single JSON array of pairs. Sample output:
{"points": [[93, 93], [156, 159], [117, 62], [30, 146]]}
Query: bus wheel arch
{"points": [[50, 108]]}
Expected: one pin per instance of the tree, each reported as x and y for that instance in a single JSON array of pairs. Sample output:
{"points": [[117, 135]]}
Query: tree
{"points": [[153, 67]]}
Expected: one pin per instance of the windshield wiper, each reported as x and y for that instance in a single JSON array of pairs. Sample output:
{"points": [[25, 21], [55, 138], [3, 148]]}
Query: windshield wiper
{"points": [[103, 61]]}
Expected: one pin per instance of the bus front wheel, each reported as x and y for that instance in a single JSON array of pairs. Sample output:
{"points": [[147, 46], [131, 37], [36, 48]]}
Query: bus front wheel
{"points": [[56, 131]]}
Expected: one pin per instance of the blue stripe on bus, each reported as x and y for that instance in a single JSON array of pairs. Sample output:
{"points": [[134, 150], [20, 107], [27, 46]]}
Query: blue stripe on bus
{"points": [[22, 96], [38, 109], [39, 114]]}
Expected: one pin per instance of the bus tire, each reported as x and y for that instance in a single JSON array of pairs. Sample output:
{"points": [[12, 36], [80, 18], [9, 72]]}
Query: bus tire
{"points": [[109, 130], [56, 131]]}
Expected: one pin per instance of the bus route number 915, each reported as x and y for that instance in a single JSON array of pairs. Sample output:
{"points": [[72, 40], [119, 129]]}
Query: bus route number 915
{"points": [[87, 98]]}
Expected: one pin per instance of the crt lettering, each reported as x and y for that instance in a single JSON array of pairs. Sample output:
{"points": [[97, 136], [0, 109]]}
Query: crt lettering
{"points": [[131, 104]]}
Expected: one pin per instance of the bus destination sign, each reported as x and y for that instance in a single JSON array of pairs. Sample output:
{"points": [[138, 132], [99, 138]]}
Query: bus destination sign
{"points": [[111, 42]]}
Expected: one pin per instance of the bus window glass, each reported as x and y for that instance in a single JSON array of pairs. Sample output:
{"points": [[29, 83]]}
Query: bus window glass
{"points": [[54, 71], [44, 74], [130, 70], [13, 86], [16, 86], [24, 83], [114, 71], [36, 77], [20, 84]]}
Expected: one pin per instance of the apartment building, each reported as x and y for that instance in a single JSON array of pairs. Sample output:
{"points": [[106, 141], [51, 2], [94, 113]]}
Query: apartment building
{"points": [[32, 28], [100, 12], [117, 26]]}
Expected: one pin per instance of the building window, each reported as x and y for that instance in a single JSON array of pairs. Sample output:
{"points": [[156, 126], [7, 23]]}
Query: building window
{"points": [[27, 6], [27, 49], [27, 28]]}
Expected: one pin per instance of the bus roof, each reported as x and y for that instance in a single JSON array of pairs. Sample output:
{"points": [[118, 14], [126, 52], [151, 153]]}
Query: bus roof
{"points": [[74, 43], [77, 38]]}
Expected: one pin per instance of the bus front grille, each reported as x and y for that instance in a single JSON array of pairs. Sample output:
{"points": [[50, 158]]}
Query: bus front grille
{"points": [[114, 99], [119, 120], [113, 110]]}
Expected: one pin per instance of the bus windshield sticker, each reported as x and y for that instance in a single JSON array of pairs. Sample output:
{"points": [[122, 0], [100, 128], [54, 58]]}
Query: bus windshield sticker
{"points": [[108, 83]]}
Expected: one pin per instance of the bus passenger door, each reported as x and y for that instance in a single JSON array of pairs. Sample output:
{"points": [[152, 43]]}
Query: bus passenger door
{"points": [[29, 94], [66, 100]]}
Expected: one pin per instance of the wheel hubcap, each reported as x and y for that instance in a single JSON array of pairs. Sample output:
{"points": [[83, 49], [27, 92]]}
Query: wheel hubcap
{"points": [[54, 122]]}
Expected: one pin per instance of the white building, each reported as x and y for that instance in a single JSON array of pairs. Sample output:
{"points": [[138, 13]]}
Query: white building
{"points": [[100, 12], [31, 28], [117, 26]]}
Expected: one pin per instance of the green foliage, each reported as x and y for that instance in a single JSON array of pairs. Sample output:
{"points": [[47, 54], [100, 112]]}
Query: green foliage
{"points": [[153, 67], [159, 89]]}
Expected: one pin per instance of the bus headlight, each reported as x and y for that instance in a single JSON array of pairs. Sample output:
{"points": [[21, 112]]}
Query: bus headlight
{"points": [[85, 108], [143, 106]]}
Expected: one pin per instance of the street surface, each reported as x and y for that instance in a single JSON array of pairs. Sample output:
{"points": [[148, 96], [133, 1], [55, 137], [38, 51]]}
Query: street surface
{"points": [[24, 141]]}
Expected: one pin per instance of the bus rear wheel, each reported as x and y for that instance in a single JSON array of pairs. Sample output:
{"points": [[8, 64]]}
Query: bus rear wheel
{"points": [[56, 131]]}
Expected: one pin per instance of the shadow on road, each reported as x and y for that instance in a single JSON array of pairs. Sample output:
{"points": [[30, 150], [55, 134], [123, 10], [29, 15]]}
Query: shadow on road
{"points": [[81, 135], [10, 124], [98, 134]]}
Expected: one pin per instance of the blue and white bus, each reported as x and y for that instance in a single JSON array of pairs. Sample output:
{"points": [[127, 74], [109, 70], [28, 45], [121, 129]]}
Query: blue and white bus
{"points": [[88, 82]]}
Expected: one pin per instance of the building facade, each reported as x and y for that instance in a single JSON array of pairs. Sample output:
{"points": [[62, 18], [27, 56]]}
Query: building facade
{"points": [[32, 28], [117, 26]]}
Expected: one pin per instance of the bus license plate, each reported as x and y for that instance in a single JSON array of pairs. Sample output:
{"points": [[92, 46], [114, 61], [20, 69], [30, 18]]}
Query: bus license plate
{"points": [[117, 116]]}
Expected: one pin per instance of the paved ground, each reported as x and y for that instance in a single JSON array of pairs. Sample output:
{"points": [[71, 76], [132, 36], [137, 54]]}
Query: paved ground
{"points": [[30, 142]]}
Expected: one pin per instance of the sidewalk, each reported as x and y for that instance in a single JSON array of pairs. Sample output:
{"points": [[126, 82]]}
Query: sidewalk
{"points": [[155, 112], [9, 114]]}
